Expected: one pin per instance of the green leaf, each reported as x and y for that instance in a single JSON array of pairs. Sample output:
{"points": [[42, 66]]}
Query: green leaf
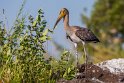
{"points": [[43, 38], [69, 70], [45, 32], [65, 52], [39, 18], [34, 23], [8, 52]]}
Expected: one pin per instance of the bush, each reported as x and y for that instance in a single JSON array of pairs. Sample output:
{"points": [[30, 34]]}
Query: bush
{"points": [[22, 54]]}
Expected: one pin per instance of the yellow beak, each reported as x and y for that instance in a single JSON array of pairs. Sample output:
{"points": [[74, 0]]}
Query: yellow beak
{"points": [[58, 19]]}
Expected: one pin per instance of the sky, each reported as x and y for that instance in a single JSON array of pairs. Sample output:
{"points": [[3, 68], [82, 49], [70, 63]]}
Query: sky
{"points": [[51, 9]]}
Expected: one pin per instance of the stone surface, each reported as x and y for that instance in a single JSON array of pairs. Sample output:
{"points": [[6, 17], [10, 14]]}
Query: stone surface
{"points": [[111, 71]]}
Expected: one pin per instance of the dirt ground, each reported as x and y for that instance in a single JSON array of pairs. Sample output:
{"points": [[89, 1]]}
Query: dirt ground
{"points": [[91, 73]]}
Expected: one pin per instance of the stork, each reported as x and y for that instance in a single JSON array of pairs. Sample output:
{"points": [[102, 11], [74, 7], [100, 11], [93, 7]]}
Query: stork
{"points": [[76, 34]]}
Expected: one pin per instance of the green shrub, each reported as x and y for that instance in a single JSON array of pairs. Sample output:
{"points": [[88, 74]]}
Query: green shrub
{"points": [[22, 54]]}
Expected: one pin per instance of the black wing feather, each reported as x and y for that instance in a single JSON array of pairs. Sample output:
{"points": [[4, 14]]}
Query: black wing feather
{"points": [[68, 37], [86, 35]]}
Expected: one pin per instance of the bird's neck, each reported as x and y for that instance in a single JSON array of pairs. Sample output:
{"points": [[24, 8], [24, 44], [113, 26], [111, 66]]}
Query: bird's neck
{"points": [[66, 21]]}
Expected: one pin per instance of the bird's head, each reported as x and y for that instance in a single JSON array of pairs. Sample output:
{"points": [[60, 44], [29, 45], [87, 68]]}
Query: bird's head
{"points": [[62, 14]]}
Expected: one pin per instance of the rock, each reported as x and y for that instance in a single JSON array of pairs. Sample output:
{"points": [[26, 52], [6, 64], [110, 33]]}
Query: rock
{"points": [[111, 71]]}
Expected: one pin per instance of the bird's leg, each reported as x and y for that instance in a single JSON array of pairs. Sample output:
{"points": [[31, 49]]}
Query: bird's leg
{"points": [[76, 73], [85, 53], [75, 44], [86, 60]]}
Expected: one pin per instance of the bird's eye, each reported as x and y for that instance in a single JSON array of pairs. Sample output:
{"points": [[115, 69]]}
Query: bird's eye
{"points": [[64, 12]]}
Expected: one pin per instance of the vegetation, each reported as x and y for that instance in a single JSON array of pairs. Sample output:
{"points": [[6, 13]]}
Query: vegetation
{"points": [[107, 22], [22, 51]]}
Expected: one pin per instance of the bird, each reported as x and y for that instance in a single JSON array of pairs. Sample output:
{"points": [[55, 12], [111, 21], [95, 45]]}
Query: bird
{"points": [[76, 34]]}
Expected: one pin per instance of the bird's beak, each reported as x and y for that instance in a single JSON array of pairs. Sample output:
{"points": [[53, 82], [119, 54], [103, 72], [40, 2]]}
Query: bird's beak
{"points": [[58, 19]]}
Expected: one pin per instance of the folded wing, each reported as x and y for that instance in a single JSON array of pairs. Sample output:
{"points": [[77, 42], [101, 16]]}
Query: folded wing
{"points": [[86, 35]]}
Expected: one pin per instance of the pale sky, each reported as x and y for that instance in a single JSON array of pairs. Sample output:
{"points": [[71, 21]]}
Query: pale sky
{"points": [[51, 9]]}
